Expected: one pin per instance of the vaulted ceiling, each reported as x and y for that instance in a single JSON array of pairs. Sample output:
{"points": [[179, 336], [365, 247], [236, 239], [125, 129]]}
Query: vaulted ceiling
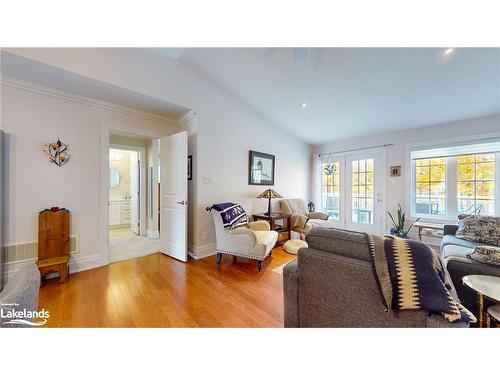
{"points": [[327, 94]]}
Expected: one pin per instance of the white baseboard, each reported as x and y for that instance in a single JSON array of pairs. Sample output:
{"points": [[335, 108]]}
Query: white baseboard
{"points": [[153, 234], [75, 264], [79, 264], [198, 252], [85, 263]]}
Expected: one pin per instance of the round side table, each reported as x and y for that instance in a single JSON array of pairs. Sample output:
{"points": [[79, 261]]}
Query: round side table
{"points": [[484, 286], [493, 313]]}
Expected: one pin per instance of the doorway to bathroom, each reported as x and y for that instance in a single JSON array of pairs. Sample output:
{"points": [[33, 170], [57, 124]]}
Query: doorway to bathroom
{"points": [[159, 164], [124, 192], [127, 198]]}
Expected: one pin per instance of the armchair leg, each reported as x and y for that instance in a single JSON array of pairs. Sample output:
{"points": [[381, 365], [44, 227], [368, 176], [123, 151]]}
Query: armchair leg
{"points": [[218, 257], [259, 265]]}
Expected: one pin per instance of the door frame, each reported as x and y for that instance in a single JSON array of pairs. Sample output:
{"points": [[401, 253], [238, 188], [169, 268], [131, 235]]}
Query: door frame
{"points": [[377, 226], [383, 182], [106, 129], [142, 183]]}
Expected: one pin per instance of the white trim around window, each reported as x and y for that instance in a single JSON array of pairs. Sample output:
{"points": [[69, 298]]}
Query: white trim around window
{"points": [[451, 172]]}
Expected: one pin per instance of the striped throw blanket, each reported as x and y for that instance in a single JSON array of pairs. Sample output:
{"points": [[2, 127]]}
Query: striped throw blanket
{"points": [[232, 214], [411, 277]]}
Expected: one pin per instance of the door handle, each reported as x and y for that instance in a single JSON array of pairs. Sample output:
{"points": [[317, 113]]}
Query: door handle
{"points": [[183, 202]]}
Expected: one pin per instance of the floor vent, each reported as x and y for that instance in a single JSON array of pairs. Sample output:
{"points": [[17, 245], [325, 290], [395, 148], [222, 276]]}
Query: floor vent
{"points": [[29, 251]]}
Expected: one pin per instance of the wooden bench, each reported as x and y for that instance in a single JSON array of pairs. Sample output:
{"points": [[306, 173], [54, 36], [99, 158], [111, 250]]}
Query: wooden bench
{"points": [[53, 243]]}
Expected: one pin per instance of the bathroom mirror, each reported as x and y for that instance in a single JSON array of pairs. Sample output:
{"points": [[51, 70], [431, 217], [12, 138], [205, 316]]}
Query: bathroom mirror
{"points": [[114, 177]]}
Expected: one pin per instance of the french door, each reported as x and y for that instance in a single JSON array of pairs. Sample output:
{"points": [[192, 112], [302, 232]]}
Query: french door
{"points": [[352, 191]]}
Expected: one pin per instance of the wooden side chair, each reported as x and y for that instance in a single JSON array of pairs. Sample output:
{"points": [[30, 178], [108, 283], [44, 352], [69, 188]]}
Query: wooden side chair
{"points": [[53, 243]]}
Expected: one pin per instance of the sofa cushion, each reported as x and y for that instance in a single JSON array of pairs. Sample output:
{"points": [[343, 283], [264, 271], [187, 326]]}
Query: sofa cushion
{"points": [[485, 254], [478, 228], [338, 241], [452, 240], [454, 251]]}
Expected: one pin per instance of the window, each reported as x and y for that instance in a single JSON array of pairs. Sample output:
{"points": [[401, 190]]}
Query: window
{"points": [[430, 190], [455, 180], [476, 184], [331, 189], [362, 191]]}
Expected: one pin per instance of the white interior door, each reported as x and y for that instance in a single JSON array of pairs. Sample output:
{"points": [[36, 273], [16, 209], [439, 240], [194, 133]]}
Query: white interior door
{"points": [[173, 195], [135, 172], [364, 209]]}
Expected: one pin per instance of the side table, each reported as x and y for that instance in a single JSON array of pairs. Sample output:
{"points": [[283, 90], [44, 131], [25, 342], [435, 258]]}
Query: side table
{"points": [[484, 286], [421, 226]]}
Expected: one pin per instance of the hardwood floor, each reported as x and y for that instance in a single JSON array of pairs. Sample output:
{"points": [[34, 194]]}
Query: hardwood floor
{"points": [[158, 291]]}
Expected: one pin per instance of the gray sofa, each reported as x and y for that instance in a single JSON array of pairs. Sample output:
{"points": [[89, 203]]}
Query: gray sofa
{"points": [[20, 292], [453, 252], [331, 284]]}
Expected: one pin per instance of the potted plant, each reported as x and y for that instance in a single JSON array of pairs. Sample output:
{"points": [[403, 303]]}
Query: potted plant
{"points": [[399, 229]]}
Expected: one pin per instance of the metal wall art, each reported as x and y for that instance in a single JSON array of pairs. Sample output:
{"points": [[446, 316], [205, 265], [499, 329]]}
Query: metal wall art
{"points": [[58, 152]]}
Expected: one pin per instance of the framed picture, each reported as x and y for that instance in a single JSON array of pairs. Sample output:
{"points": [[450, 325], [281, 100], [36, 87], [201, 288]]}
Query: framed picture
{"points": [[190, 167], [260, 169], [395, 171]]}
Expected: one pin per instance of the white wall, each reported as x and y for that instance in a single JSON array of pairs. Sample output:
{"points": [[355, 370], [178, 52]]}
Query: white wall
{"points": [[30, 119], [397, 189], [226, 128]]}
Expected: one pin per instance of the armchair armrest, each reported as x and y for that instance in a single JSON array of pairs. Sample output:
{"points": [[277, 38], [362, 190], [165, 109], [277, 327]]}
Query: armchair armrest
{"points": [[318, 215], [260, 225], [298, 220], [243, 232]]}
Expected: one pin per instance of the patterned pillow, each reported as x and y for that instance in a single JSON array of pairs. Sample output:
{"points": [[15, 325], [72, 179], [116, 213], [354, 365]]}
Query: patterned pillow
{"points": [[485, 254], [478, 228]]}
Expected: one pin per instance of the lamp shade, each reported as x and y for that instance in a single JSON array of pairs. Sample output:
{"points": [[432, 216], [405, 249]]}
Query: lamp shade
{"points": [[268, 194]]}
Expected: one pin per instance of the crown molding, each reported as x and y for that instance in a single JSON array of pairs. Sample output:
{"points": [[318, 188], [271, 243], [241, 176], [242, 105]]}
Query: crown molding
{"points": [[187, 117], [31, 87]]}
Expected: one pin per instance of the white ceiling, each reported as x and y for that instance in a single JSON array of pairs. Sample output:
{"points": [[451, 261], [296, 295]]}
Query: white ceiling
{"points": [[173, 53], [355, 91]]}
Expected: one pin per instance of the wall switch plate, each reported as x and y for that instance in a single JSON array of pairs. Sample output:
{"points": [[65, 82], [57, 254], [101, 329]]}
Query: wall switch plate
{"points": [[208, 180]]}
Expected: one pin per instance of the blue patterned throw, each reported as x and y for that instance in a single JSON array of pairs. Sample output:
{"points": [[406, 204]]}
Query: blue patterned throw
{"points": [[411, 277], [232, 214]]}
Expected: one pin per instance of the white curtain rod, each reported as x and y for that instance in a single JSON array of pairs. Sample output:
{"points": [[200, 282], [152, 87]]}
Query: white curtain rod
{"points": [[356, 149]]}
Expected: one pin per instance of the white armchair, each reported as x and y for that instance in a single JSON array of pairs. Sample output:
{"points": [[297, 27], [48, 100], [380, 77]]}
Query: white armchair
{"points": [[255, 242]]}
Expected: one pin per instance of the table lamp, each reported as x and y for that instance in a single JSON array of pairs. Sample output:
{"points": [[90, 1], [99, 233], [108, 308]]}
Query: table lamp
{"points": [[269, 194]]}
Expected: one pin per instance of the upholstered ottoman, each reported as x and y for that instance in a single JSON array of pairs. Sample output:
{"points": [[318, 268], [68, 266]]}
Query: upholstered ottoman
{"points": [[293, 246]]}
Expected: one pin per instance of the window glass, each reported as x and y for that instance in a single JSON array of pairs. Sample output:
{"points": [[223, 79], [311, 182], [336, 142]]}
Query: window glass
{"points": [[476, 184], [430, 186], [362, 191], [331, 189]]}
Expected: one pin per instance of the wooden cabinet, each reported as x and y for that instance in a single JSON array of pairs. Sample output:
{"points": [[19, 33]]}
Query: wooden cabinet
{"points": [[53, 243]]}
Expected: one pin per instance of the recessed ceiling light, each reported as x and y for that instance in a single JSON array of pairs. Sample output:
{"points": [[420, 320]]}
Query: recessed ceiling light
{"points": [[448, 51], [304, 105]]}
